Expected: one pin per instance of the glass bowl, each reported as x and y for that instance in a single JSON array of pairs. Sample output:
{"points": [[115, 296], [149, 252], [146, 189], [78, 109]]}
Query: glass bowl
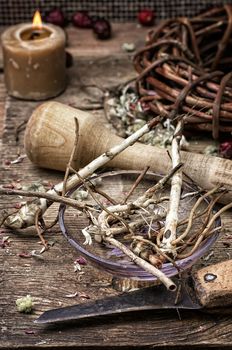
{"points": [[110, 259]]}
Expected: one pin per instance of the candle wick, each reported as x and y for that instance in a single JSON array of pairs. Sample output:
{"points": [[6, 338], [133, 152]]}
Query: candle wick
{"points": [[34, 35]]}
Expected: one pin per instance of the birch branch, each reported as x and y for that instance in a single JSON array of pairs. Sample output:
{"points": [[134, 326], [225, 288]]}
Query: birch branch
{"points": [[142, 201], [175, 193], [25, 217], [144, 264]]}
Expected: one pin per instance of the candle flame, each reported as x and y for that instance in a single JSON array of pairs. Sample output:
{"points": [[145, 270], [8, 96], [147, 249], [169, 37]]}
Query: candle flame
{"points": [[37, 20]]}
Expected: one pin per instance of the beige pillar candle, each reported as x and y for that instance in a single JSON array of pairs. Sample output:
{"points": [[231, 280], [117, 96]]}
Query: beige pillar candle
{"points": [[34, 61]]}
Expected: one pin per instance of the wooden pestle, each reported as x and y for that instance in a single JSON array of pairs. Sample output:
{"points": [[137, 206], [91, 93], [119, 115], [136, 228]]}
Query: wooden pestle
{"points": [[50, 135]]}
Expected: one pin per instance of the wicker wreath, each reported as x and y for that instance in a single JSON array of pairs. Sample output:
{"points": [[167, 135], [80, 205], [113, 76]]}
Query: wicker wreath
{"points": [[186, 68]]}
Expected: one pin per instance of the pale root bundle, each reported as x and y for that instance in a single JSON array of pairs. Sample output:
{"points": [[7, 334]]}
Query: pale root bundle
{"points": [[186, 68]]}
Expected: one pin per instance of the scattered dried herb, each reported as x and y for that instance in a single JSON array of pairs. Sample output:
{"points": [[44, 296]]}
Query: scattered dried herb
{"points": [[24, 304]]}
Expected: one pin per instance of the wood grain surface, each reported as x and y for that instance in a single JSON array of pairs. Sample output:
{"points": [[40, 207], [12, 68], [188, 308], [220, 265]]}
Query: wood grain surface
{"points": [[52, 279]]}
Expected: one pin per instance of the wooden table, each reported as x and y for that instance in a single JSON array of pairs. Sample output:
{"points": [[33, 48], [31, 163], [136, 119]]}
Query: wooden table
{"points": [[49, 280]]}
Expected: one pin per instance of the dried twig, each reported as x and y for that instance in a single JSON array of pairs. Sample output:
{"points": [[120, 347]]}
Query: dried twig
{"points": [[142, 263], [37, 219], [71, 157], [176, 185], [177, 70], [191, 215], [26, 215], [138, 180], [51, 198], [105, 210]]}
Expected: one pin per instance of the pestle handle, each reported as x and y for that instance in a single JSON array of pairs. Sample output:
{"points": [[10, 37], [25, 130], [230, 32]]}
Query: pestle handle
{"points": [[50, 135]]}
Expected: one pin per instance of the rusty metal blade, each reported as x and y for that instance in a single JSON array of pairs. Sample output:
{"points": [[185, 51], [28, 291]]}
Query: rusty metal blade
{"points": [[151, 298]]}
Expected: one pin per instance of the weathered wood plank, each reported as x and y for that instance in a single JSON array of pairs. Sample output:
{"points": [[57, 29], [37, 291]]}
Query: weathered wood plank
{"points": [[50, 280], [2, 104], [126, 33]]}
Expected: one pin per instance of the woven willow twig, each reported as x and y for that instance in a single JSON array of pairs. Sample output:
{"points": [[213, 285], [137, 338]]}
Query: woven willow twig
{"points": [[186, 67]]}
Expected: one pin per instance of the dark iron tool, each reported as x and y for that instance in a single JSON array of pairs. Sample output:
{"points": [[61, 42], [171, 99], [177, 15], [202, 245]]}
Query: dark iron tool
{"points": [[210, 287]]}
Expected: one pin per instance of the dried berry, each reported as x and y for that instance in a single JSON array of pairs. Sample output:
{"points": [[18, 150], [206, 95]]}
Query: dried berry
{"points": [[146, 17], [102, 28], [81, 19], [56, 17], [225, 149]]}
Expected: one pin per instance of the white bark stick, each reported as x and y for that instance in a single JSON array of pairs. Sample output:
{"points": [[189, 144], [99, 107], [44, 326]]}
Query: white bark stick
{"points": [[175, 194], [142, 201], [144, 264], [25, 217]]}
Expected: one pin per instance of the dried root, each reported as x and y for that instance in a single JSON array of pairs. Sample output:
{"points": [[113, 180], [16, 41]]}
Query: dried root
{"points": [[25, 217], [164, 233]]}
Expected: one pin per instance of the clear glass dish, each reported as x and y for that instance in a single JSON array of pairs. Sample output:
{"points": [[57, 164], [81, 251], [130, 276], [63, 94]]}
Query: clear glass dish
{"points": [[110, 259]]}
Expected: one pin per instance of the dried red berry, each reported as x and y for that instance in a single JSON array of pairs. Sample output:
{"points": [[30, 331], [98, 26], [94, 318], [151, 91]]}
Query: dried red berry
{"points": [[56, 17], [225, 149], [81, 19], [102, 28], [146, 17]]}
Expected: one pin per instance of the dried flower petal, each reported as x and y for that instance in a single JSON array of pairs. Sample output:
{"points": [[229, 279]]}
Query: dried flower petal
{"points": [[225, 149], [18, 205], [4, 242], [128, 47], [35, 187], [10, 186], [24, 255], [84, 296], [73, 295], [36, 255], [88, 239], [80, 195], [211, 150], [29, 331], [19, 159], [81, 260], [77, 267]]}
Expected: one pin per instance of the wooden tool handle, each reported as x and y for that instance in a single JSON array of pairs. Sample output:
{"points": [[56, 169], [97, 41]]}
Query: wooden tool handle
{"points": [[213, 285], [50, 135]]}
